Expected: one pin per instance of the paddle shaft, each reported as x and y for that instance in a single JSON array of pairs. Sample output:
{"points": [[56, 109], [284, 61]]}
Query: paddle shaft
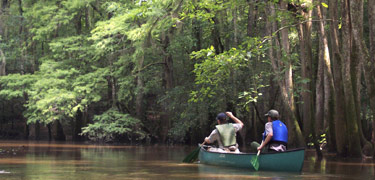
{"points": [[193, 155], [203, 143], [255, 162], [260, 149]]}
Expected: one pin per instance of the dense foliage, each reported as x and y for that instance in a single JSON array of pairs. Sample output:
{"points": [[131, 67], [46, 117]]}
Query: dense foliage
{"points": [[160, 70]]}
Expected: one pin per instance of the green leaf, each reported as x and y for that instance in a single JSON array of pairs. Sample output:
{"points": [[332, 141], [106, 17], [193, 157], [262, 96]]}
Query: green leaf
{"points": [[324, 5]]}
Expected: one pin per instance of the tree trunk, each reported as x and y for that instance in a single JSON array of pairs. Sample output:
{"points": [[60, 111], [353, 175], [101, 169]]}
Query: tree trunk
{"points": [[37, 131], [319, 93], [361, 53], [140, 86], [354, 145], [306, 63], [197, 31], [339, 110], [3, 12], [370, 63], [235, 28], [167, 84], [111, 93], [87, 19], [295, 134], [78, 124], [58, 130], [251, 15], [3, 64], [328, 82], [78, 23], [49, 132]]}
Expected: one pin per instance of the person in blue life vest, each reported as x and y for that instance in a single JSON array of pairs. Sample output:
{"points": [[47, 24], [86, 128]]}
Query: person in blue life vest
{"points": [[275, 136], [225, 133]]}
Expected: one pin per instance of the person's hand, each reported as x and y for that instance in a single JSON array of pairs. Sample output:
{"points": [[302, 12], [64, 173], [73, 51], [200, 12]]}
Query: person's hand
{"points": [[207, 140], [259, 148], [229, 114]]}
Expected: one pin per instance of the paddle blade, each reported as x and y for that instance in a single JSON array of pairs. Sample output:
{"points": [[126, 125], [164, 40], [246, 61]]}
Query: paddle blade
{"points": [[193, 156], [255, 163]]}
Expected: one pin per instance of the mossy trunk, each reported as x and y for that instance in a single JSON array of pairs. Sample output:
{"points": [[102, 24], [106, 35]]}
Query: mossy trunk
{"points": [[339, 109], [327, 81], [370, 63], [354, 145]]}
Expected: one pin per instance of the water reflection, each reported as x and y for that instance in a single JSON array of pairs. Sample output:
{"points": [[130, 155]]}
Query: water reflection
{"points": [[31, 160]]}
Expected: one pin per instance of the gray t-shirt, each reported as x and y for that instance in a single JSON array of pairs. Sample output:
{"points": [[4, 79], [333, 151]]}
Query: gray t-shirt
{"points": [[214, 136], [274, 146]]}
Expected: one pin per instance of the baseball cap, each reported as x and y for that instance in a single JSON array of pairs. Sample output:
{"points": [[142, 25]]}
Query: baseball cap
{"points": [[221, 116], [272, 113]]}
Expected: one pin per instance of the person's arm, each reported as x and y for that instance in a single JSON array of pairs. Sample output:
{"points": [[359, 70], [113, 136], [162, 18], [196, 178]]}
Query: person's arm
{"points": [[207, 140], [234, 118], [212, 137], [266, 141]]}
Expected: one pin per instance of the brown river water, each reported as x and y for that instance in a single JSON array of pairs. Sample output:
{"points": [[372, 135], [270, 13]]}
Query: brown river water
{"points": [[67, 161]]}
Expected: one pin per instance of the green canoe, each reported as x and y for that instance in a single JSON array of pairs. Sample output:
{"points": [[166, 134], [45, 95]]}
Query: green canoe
{"points": [[290, 160]]}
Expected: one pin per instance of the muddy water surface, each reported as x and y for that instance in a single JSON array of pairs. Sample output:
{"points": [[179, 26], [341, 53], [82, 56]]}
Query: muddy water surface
{"points": [[43, 160]]}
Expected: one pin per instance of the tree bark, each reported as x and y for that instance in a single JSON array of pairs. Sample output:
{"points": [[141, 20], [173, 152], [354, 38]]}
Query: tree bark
{"points": [[251, 15], [306, 65], [339, 109], [87, 19], [328, 82], [59, 134], [361, 53], [78, 23], [354, 145], [286, 86], [235, 26], [3, 12], [78, 124], [140, 86], [295, 134], [197, 31], [3, 64], [370, 63], [167, 84], [319, 92]]}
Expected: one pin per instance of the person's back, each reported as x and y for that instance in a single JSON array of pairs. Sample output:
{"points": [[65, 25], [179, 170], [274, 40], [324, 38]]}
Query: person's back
{"points": [[275, 136], [279, 139], [225, 133]]}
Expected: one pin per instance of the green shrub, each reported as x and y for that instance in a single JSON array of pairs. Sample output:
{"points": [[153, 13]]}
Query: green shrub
{"points": [[113, 125]]}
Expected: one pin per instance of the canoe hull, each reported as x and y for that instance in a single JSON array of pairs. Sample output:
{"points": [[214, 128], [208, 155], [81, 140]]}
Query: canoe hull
{"points": [[288, 161]]}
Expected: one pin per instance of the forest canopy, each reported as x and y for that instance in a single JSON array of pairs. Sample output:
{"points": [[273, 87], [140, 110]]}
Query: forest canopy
{"points": [[158, 71]]}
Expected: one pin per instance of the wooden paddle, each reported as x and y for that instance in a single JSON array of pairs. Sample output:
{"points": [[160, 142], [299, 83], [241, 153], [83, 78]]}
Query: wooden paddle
{"points": [[255, 161], [193, 156]]}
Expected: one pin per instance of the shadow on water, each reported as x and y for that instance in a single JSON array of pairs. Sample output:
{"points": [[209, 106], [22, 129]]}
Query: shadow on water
{"points": [[43, 160]]}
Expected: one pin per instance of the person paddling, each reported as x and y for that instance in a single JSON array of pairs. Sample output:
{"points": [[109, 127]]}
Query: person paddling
{"points": [[225, 133], [275, 134]]}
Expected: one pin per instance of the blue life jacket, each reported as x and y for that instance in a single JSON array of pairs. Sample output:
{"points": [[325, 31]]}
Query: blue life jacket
{"points": [[280, 132]]}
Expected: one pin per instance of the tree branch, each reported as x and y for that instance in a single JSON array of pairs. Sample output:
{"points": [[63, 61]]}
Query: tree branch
{"points": [[96, 9], [149, 65]]}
